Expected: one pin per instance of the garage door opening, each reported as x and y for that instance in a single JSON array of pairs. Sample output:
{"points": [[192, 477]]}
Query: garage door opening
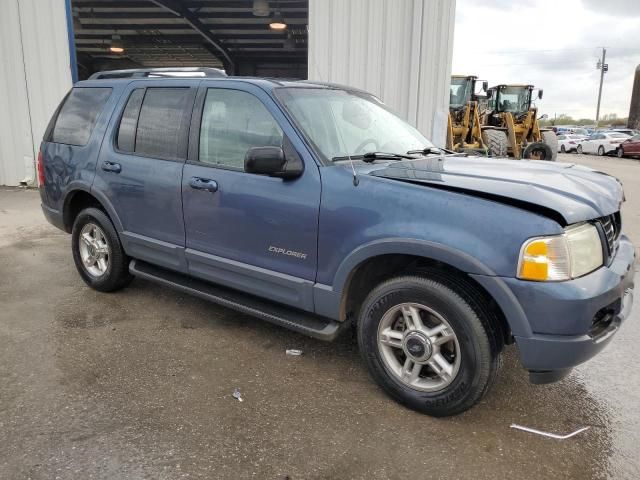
{"points": [[265, 38]]}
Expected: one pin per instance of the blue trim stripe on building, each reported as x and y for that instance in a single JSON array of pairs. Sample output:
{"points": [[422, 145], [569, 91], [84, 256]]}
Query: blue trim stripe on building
{"points": [[73, 61]]}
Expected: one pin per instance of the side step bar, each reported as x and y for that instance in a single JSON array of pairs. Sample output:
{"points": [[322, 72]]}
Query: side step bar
{"points": [[297, 320]]}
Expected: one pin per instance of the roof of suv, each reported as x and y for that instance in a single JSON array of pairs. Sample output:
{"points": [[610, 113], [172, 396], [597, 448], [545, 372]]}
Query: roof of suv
{"points": [[160, 74]]}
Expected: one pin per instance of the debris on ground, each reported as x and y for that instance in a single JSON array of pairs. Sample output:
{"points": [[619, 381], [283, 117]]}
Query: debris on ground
{"points": [[237, 395], [547, 434], [293, 352]]}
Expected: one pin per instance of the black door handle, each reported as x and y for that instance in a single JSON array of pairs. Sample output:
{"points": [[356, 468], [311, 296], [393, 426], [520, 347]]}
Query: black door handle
{"points": [[111, 167], [203, 184]]}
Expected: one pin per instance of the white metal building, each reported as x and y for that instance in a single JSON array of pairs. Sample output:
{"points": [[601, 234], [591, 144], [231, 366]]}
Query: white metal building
{"points": [[35, 73], [399, 50]]}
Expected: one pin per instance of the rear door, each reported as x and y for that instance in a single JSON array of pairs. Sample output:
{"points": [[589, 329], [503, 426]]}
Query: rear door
{"points": [[140, 169], [250, 232]]}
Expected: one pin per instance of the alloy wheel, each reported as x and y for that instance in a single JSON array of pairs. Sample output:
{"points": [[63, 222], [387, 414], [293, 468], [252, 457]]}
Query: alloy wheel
{"points": [[419, 347], [94, 250]]}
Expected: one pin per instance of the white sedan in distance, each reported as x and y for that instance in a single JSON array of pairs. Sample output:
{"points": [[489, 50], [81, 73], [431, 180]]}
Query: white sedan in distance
{"points": [[569, 142], [602, 142]]}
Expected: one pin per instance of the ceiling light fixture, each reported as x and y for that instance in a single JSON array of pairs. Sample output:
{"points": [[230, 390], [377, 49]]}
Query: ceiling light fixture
{"points": [[277, 22], [116, 46], [260, 8]]}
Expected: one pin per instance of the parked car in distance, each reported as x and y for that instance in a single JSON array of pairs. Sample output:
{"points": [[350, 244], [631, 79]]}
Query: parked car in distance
{"points": [[314, 207], [569, 142], [602, 143], [629, 147], [626, 131]]}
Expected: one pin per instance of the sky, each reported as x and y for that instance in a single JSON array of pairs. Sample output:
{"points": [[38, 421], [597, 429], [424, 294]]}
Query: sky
{"points": [[554, 45]]}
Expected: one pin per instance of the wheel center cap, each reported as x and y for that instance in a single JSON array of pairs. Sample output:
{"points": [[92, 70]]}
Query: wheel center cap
{"points": [[417, 346]]}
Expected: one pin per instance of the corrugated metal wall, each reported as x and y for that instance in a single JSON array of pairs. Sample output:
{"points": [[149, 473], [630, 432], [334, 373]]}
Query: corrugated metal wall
{"points": [[34, 76], [399, 50]]}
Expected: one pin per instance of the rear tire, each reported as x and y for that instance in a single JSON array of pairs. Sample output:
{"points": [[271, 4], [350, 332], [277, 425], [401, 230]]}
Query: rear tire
{"points": [[550, 138], [385, 328], [98, 253], [538, 151], [579, 149], [497, 142]]}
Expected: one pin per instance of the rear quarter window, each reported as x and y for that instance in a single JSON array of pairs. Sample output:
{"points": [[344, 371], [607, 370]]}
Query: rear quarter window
{"points": [[78, 115]]}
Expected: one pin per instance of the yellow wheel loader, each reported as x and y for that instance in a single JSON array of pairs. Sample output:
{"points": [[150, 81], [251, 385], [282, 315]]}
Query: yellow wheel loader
{"points": [[464, 127], [510, 125]]}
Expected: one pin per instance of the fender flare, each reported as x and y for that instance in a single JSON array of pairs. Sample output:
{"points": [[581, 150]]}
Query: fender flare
{"points": [[419, 248], [76, 187], [328, 298]]}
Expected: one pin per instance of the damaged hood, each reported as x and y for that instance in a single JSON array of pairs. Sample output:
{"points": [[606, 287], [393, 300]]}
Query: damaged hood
{"points": [[574, 192]]}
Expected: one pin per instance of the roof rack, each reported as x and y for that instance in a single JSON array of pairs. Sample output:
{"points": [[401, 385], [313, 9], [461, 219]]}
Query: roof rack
{"points": [[205, 72]]}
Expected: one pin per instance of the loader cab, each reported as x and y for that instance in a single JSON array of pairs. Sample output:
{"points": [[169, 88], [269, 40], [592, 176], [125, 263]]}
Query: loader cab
{"points": [[515, 99], [463, 89]]}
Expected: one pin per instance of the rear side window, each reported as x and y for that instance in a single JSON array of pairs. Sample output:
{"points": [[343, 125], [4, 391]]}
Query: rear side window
{"points": [[127, 130], [162, 123], [78, 115]]}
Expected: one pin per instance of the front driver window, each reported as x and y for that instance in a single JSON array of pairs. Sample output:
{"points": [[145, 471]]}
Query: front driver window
{"points": [[233, 122]]}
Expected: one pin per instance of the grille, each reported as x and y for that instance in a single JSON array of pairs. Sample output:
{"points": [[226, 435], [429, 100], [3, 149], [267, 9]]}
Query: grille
{"points": [[611, 225]]}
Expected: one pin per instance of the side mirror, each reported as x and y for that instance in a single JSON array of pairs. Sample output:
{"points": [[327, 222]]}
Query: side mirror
{"points": [[489, 94], [542, 117], [540, 94], [273, 162], [485, 85]]}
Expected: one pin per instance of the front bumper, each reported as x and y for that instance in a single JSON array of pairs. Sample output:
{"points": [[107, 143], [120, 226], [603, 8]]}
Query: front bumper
{"points": [[572, 321]]}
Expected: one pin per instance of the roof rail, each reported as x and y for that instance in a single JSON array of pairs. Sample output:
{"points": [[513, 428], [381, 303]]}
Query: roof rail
{"points": [[181, 72]]}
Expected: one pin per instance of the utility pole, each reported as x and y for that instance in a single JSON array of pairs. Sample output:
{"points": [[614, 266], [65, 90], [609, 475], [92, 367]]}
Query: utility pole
{"points": [[604, 68]]}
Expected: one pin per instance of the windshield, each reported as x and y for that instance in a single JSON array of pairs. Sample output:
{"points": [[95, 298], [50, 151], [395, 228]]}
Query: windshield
{"points": [[341, 123], [459, 92], [514, 99]]}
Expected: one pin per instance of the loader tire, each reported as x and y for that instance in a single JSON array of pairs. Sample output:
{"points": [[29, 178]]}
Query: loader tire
{"points": [[497, 142], [550, 138]]}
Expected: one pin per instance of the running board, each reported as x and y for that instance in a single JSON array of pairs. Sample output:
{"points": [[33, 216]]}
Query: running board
{"points": [[294, 319]]}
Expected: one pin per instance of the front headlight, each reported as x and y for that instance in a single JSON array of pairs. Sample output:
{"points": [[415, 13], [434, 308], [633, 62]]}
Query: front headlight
{"points": [[572, 254]]}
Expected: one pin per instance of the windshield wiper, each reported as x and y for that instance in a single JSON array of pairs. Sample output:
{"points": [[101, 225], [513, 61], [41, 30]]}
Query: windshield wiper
{"points": [[430, 151], [372, 156]]}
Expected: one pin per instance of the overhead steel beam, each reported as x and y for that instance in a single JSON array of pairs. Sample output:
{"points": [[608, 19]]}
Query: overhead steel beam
{"points": [[193, 20]]}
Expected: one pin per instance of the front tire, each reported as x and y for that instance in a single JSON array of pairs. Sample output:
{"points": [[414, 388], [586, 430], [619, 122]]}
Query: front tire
{"points": [[562, 149], [497, 142], [620, 152], [98, 253], [600, 150], [550, 138], [428, 343]]}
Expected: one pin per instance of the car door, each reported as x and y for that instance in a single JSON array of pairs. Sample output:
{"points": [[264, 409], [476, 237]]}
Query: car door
{"points": [[251, 232], [632, 146], [590, 145], [561, 142], [140, 165]]}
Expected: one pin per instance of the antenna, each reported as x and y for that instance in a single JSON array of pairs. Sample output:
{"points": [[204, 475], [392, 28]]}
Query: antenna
{"points": [[356, 181]]}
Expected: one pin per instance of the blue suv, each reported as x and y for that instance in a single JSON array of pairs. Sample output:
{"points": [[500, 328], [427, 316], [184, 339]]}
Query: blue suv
{"points": [[314, 207]]}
